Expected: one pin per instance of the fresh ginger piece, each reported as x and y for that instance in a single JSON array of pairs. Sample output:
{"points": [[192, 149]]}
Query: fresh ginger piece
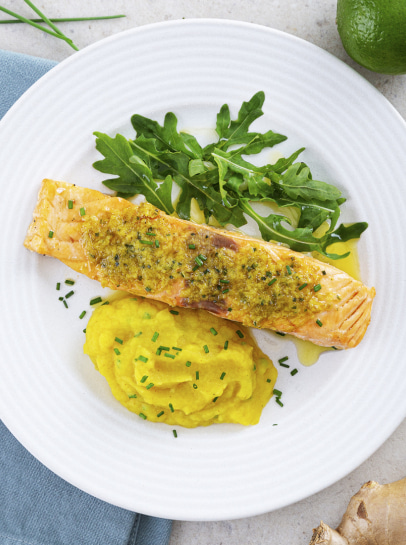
{"points": [[376, 515]]}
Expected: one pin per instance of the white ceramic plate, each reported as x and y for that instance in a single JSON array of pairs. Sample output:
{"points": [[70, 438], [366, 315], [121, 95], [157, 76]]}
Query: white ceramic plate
{"points": [[336, 413]]}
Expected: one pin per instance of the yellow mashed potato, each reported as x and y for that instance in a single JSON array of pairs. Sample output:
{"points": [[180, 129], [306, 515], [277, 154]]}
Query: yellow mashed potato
{"points": [[179, 366]]}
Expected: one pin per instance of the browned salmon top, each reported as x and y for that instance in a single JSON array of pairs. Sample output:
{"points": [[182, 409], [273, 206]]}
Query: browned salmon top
{"points": [[142, 250]]}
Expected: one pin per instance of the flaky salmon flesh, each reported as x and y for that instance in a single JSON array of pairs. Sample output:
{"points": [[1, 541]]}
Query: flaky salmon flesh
{"points": [[141, 250]]}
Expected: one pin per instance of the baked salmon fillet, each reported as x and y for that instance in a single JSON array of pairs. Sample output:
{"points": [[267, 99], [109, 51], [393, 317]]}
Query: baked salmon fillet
{"points": [[141, 250]]}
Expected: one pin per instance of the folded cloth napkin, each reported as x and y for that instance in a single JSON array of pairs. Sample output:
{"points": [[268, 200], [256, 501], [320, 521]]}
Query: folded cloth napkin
{"points": [[36, 506]]}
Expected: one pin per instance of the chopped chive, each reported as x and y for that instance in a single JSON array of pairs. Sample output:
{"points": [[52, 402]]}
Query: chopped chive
{"points": [[192, 246], [105, 303], [277, 393], [197, 375], [215, 399], [198, 261], [70, 205], [226, 345], [144, 378], [285, 358], [155, 336], [188, 363], [303, 286], [319, 323], [118, 340], [206, 348], [151, 234], [280, 333], [195, 268], [213, 331], [167, 355], [176, 348], [171, 407], [225, 291], [174, 312], [175, 433], [202, 257], [82, 314], [58, 286], [150, 385], [65, 303], [82, 211], [272, 282], [317, 287], [147, 289], [132, 396], [160, 414], [149, 242], [268, 380], [284, 365], [138, 334], [50, 234], [69, 282], [278, 401], [164, 348], [223, 374], [289, 270], [69, 294], [143, 359], [156, 243], [240, 333], [117, 351], [142, 415], [95, 300], [60, 298], [225, 281], [294, 372], [194, 386]]}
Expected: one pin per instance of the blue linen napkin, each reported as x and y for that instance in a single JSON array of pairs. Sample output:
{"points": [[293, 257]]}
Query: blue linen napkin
{"points": [[36, 506]]}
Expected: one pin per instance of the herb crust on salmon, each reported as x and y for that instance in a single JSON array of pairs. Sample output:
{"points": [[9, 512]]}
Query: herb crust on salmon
{"points": [[142, 250]]}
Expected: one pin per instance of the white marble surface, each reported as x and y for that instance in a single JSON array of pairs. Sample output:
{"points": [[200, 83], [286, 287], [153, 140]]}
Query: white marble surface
{"points": [[313, 20]]}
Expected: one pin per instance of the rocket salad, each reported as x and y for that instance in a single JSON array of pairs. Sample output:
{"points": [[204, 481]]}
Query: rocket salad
{"points": [[222, 180]]}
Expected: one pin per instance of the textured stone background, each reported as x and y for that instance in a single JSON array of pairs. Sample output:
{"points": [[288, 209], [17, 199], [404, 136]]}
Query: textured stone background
{"points": [[312, 20]]}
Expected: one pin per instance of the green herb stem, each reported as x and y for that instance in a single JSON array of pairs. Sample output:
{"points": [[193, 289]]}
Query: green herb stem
{"points": [[51, 24], [62, 19]]}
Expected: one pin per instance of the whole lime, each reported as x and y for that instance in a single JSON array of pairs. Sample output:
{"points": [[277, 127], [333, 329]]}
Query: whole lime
{"points": [[373, 33]]}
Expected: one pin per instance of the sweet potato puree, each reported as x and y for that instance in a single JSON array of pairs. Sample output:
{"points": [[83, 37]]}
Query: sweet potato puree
{"points": [[183, 366]]}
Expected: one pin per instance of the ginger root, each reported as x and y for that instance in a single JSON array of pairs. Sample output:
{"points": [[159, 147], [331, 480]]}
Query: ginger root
{"points": [[376, 515]]}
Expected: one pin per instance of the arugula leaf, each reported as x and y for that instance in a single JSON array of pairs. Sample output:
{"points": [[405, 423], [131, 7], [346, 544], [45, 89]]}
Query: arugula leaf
{"points": [[298, 183], [223, 181], [134, 175], [167, 136], [234, 132], [302, 239]]}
